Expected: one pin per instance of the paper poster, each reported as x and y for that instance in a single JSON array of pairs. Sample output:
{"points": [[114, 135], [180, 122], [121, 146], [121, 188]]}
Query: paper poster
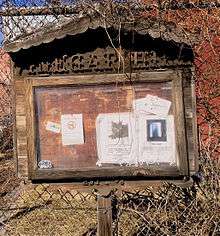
{"points": [[72, 129], [53, 127], [156, 139], [152, 105], [139, 105], [116, 141]]}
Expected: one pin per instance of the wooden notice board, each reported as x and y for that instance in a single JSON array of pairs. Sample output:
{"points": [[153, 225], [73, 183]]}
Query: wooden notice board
{"points": [[106, 126]]}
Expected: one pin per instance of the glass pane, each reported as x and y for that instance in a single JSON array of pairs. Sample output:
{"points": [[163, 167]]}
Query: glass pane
{"points": [[110, 125]]}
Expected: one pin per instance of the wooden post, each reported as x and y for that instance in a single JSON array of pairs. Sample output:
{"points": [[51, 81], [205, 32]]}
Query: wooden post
{"points": [[104, 212]]}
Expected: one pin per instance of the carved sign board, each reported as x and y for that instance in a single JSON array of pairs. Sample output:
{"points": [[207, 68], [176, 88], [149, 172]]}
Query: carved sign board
{"points": [[102, 60]]}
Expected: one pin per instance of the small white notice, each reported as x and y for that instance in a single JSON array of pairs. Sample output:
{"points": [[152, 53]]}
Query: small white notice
{"points": [[139, 106], [152, 105], [158, 106], [45, 164], [53, 127], [72, 129], [157, 139]]}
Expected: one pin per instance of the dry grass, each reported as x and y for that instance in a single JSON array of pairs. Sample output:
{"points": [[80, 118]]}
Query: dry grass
{"points": [[50, 222]]}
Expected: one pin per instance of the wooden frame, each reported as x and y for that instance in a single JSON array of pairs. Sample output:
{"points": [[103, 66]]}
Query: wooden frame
{"points": [[107, 173]]}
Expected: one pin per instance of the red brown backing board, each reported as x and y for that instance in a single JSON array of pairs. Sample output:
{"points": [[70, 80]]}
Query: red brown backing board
{"points": [[90, 101]]}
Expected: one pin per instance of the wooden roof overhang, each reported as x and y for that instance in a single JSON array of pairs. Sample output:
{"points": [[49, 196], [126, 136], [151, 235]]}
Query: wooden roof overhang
{"points": [[78, 25]]}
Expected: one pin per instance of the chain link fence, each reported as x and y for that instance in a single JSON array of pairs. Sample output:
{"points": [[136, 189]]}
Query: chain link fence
{"points": [[47, 210], [166, 210], [27, 209]]}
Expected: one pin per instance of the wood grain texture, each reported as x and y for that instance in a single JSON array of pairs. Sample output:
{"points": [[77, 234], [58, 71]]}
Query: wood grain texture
{"points": [[20, 105], [14, 116], [19, 86], [180, 123], [32, 162], [20, 128], [107, 173], [151, 76], [191, 118], [22, 166], [104, 214]]}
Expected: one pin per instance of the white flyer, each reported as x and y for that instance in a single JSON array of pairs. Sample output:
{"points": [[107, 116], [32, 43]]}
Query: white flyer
{"points": [[72, 129], [116, 143], [152, 105], [53, 127], [139, 106], [156, 140]]}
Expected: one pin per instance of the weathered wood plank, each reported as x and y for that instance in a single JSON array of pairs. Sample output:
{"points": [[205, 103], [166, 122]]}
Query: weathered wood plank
{"points": [[19, 87], [130, 173], [180, 123], [104, 214], [32, 161], [21, 132], [102, 79], [22, 149], [20, 105], [22, 166], [189, 97], [20, 127], [21, 122], [194, 127]]}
